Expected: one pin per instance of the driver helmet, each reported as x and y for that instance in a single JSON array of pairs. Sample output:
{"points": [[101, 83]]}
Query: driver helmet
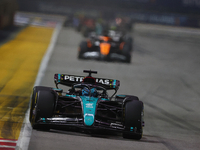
{"points": [[94, 92], [85, 91]]}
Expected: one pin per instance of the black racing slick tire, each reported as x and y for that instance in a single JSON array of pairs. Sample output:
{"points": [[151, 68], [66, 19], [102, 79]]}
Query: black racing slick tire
{"points": [[130, 43], [127, 52], [121, 98], [82, 49], [34, 98], [133, 119], [42, 105]]}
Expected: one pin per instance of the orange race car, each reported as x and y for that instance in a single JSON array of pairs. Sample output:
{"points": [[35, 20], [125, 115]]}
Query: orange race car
{"points": [[111, 46]]}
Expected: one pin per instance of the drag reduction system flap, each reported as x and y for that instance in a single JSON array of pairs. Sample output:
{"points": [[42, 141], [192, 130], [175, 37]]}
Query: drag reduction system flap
{"points": [[69, 80]]}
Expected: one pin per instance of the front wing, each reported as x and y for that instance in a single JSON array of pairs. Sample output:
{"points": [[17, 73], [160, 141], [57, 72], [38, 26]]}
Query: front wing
{"points": [[79, 123], [112, 56]]}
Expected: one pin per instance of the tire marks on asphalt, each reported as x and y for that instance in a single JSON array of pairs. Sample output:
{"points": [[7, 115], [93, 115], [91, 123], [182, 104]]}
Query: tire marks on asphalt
{"points": [[176, 121]]}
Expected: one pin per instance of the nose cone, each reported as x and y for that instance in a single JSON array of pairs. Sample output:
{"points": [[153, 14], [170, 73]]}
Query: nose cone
{"points": [[88, 119], [89, 107]]}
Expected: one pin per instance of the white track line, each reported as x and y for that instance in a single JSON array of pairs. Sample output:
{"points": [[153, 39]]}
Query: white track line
{"points": [[6, 147], [26, 130], [8, 141]]}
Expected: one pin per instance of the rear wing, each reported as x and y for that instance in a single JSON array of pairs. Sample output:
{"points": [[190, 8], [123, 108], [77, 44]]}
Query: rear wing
{"points": [[69, 80]]}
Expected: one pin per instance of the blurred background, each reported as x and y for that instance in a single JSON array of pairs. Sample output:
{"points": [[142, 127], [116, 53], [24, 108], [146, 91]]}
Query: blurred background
{"points": [[168, 12]]}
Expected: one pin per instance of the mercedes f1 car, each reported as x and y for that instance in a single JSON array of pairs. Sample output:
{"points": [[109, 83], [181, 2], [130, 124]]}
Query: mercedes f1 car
{"points": [[87, 105], [112, 46]]}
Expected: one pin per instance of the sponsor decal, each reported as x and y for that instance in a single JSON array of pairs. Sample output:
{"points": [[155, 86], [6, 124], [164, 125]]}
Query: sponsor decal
{"points": [[74, 78], [80, 79], [89, 105], [103, 81], [91, 54]]}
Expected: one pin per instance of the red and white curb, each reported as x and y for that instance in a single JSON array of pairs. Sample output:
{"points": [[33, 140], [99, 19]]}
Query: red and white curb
{"points": [[7, 144]]}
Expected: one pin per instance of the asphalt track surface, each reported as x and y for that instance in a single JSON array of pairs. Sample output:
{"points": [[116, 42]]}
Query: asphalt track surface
{"points": [[164, 74]]}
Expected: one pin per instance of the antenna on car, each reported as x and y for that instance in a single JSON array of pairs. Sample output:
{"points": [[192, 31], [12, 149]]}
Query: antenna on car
{"points": [[90, 72]]}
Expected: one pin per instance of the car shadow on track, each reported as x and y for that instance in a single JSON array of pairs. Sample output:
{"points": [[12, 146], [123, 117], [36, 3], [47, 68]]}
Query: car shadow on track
{"points": [[105, 134]]}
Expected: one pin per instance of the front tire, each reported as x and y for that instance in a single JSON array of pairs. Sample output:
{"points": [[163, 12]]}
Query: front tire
{"points": [[42, 106], [34, 98], [127, 52], [133, 119], [82, 49]]}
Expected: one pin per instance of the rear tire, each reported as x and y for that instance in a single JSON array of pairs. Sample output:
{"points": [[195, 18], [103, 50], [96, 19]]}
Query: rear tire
{"points": [[43, 103], [133, 111], [129, 41], [120, 98], [82, 49], [127, 52]]}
